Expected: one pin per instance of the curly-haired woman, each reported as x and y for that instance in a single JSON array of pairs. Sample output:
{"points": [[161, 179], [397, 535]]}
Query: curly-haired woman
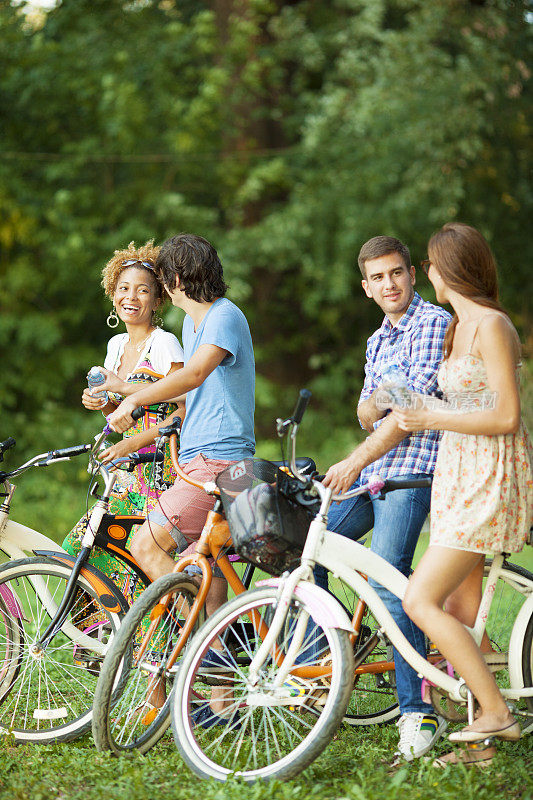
{"points": [[143, 354]]}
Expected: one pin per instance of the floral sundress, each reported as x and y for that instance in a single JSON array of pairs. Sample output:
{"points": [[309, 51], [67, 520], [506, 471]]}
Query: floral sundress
{"points": [[482, 494]]}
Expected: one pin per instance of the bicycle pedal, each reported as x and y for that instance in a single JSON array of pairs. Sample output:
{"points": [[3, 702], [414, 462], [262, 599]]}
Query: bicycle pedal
{"points": [[92, 665]]}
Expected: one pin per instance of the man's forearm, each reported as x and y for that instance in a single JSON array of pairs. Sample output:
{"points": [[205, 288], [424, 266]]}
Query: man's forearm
{"points": [[383, 439], [173, 386], [368, 413]]}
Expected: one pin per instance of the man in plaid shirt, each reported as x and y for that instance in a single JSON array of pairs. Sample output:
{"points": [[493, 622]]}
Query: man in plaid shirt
{"points": [[411, 339]]}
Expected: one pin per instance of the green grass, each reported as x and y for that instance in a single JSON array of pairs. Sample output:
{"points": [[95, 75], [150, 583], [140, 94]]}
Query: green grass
{"points": [[353, 767]]}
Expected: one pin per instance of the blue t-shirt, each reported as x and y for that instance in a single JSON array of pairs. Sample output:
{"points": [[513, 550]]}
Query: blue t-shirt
{"points": [[219, 419]]}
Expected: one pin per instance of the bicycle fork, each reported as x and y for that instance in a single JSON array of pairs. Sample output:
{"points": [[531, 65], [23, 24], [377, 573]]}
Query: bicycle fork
{"points": [[69, 595]]}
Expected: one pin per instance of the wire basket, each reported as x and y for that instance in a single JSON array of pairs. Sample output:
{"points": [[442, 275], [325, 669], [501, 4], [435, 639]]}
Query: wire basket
{"points": [[268, 513]]}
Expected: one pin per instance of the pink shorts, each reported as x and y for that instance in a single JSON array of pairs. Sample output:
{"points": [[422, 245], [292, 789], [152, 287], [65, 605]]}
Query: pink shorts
{"points": [[182, 510]]}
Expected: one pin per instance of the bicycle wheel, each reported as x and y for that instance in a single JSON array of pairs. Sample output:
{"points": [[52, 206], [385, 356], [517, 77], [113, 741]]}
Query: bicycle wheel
{"points": [[514, 586], [264, 731], [49, 694], [527, 662], [374, 700], [11, 642], [131, 717]]}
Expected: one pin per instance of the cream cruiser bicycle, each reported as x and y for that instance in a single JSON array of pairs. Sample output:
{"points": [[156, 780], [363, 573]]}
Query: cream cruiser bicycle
{"points": [[275, 722], [58, 613]]}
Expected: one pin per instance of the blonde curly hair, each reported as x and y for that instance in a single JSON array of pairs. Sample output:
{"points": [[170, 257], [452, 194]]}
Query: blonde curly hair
{"points": [[147, 252]]}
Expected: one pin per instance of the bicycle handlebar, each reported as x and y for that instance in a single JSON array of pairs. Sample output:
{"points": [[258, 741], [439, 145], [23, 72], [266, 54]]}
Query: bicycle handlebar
{"points": [[68, 452], [406, 483], [9, 442], [301, 405]]}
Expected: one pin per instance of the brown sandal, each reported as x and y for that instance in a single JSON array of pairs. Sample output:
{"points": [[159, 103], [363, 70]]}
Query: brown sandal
{"points": [[471, 756]]}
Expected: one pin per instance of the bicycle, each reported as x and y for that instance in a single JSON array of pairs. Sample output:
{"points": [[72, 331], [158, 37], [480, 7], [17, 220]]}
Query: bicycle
{"points": [[269, 733], [175, 605], [58, 613]]}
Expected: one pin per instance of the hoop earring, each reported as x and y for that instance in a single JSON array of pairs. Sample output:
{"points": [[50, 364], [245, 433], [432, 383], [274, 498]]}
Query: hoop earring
{"points": [[112, 321]]}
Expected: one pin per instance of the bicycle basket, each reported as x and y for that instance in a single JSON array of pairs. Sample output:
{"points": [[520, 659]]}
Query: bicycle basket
{"points": [[267, 512]]}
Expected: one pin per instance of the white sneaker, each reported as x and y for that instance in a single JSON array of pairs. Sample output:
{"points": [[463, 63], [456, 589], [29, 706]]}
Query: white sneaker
{"points": [[418, 734]]}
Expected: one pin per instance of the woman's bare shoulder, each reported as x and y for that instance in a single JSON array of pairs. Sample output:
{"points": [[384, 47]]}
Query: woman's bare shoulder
{"points": [[495, 326]]}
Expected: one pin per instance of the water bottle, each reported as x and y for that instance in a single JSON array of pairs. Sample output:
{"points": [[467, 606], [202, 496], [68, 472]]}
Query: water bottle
{"points": [[394, 381], [95, 378]]}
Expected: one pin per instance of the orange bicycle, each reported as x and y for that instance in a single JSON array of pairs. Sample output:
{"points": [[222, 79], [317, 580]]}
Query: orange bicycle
{"points": [[131, 705]]}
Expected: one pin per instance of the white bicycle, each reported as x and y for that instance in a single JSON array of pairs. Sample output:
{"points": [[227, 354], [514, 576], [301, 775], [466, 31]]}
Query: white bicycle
{"points": [[58, 613], [290, 679]]}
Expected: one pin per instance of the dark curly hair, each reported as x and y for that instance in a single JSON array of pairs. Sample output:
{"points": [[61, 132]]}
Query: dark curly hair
{"points": [[111, 272], [195, 263]]}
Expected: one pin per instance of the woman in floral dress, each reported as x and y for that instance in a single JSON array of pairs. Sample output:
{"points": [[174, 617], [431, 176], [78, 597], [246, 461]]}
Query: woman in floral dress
{"points": [[143, 354], [482, 496]]}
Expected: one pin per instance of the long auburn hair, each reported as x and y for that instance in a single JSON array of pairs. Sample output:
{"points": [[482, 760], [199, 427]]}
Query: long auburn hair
{"points": [[466, 264]]}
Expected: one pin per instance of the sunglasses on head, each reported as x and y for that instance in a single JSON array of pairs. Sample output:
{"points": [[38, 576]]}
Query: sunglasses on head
{"points": [[131, 261]]}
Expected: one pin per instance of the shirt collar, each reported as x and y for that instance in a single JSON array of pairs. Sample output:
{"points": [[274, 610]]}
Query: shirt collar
{"points": [[405, 321]]}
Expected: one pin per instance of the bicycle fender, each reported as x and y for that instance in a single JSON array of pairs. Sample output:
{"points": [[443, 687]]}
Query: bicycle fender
{"points": [[12, 602], [322, 605], [516, 642], [102, 585]]}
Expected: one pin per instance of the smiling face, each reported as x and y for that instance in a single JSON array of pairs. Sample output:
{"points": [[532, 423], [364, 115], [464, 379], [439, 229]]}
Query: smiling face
{"points": [[135, 296], [390, 284]]}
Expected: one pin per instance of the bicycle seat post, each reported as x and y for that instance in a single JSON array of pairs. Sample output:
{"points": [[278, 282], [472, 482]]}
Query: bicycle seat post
{"points": [[470, 707]]}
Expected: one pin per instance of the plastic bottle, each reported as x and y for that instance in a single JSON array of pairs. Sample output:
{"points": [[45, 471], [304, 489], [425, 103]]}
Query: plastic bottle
{"points": [[95, 378], [395, 383]]}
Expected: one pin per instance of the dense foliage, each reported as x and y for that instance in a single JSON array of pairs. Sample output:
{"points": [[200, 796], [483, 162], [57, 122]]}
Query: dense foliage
{"points": [[285, 132]]}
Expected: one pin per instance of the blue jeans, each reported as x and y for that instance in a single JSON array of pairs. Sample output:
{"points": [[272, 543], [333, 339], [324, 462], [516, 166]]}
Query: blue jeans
{"points": [[396, 521]]}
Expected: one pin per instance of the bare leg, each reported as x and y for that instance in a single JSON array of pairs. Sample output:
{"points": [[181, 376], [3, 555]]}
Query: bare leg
{"points": [[464, 603], [439, 573], [151, 547]]}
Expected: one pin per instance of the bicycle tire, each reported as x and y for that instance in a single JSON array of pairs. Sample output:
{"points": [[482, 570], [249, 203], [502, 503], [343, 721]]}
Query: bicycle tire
{"points": [[514, 586], [374, 700], [121, 720], [50, 697], [527, 662], [11, 644], [274, 736]]}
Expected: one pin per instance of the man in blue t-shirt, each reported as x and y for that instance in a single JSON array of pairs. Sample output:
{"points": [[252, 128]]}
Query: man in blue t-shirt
{"points": [[218, 379]]}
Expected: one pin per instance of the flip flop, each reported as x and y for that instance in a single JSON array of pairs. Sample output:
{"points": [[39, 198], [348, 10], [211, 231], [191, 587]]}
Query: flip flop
{"points": [[473, 756], [510, 733]]}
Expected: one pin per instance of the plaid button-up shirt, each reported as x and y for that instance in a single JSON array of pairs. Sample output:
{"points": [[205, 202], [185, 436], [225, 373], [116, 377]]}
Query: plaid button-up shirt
{"points": [[414, 345]]}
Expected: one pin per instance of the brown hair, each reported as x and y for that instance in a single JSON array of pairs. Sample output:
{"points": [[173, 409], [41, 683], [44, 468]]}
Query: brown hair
{"points": [[194, 262], [147, 252], [382, 246], [466, 264]]}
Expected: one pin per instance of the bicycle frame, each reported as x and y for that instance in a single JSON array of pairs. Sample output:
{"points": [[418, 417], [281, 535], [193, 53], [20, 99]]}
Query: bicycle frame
{"points": [[19, 541], [346, 560]]}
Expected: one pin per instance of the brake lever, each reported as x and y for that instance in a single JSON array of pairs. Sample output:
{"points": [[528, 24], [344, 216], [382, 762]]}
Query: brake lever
{"points": [[282, 425]]}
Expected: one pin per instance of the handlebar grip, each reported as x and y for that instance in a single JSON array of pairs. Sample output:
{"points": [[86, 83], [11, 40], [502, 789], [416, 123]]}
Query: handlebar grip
{"points": [[301, 405], [137, 413], [406, 483], [10, 442], [146, 458], [67, 452], [172, 427]]}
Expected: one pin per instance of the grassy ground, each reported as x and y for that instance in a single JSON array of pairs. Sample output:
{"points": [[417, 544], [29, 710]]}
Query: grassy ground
{"points": [[353, 767]]}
